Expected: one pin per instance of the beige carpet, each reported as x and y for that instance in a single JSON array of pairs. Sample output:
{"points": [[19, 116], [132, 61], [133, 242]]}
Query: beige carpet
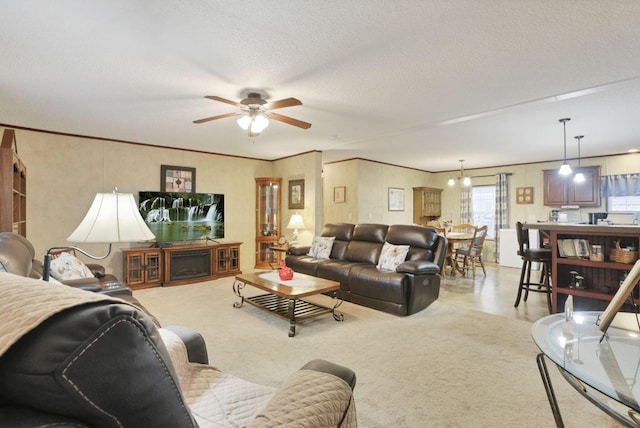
{"points": [[443, 367]]}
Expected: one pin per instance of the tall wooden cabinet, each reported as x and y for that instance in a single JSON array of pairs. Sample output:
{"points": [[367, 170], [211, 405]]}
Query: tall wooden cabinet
{"points": [[268, 220], [13, 187], [562, 190], [427, 204]]}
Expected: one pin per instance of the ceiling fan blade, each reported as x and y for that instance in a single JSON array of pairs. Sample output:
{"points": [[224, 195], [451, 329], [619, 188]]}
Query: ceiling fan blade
{"points": [[207, 119], [290, 121], [223, 100], [287, 102]]}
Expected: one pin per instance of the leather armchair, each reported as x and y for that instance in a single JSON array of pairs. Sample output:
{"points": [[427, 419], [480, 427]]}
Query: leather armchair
{"points": [[72, 358], [17, 256]]}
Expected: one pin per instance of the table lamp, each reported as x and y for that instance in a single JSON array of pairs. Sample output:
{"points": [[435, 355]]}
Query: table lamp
{"points": [[113, 217], [295, 223]]}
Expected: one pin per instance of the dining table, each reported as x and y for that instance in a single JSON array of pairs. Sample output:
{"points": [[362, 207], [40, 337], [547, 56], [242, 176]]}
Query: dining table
{"points": [[456, 239]]}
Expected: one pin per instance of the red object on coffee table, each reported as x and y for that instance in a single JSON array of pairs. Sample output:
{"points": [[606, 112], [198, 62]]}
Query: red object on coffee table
{"points": [[285, 272]]}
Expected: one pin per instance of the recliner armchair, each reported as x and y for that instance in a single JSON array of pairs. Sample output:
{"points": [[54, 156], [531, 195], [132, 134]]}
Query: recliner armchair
{"points": [[17, 256], [72, 358]]}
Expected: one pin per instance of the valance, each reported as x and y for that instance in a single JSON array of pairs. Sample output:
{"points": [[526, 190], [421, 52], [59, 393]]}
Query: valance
{"points": [[620, 185]]}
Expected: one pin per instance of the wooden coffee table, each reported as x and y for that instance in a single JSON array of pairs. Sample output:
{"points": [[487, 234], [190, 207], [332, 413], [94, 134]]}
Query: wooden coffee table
{"points": [[284, 298]]}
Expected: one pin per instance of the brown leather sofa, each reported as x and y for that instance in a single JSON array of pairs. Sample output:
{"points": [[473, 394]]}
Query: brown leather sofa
{"points": [[71, 358], [414, 284]]}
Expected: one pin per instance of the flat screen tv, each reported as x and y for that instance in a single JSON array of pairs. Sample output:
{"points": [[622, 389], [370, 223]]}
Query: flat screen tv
{"points": [[183, 216]]}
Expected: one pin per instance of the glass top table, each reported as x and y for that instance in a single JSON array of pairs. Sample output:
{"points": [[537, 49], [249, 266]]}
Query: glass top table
{"points": [[610, 364]]}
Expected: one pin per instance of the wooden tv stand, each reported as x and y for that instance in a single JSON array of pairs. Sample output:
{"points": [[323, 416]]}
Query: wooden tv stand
{"points": [[147, 267]]}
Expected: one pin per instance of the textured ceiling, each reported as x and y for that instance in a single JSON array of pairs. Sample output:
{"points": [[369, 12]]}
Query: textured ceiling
{"points": [[413, 83]]}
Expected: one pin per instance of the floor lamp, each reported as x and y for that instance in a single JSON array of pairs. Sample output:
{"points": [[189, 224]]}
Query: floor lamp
{"points": [[112, 217]]}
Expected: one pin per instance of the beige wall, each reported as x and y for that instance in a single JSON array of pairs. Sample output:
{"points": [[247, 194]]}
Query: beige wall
{"points": [[307, 167], [64, 173], [367, 184], [527, 176]]}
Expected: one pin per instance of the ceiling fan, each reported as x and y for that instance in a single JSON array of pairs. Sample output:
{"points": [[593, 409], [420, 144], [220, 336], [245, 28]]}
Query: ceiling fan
{"points": [[255, 112]]}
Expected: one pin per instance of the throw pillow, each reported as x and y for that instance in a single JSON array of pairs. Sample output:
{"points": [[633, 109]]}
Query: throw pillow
{"points": [[391, 256], [66, 266], [321, 247]]}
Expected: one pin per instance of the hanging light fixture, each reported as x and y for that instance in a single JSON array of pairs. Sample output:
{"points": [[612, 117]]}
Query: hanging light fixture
{"points": [[579, 177], [565, 169], [466, 181]]}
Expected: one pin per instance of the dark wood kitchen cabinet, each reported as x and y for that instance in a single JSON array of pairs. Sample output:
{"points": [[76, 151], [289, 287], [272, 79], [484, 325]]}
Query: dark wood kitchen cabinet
{"points": [[562, 190]]}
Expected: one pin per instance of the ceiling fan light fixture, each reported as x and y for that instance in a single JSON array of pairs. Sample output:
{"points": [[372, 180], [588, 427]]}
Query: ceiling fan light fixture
{"points": [[451, 182], [255, 113], [466, 181], [254, 123], [244, 121], [259, 123]]}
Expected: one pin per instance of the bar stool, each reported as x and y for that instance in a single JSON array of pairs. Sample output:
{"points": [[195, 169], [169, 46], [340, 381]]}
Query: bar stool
{"points": [[529, 256]]}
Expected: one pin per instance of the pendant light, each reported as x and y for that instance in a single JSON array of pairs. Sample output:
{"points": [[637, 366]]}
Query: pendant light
{"points": [[565, 169], [579, 177], [466, 181]]}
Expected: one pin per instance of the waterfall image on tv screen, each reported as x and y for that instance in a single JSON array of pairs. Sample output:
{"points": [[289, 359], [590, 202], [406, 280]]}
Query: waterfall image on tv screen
{"points": [[183, 216]]}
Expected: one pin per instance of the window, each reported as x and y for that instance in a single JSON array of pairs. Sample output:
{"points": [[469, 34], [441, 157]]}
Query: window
{"points": [[623, 204], [622, 192], [483, 207]]}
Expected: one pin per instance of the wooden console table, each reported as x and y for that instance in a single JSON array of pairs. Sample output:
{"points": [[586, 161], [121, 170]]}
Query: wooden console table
{"points": [[157, 266]]}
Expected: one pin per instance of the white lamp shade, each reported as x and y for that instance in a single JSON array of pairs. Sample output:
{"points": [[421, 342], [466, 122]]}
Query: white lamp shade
{"points": [[244, 122], [579, 178], [112, 217], [296, 222], [259, 124], [255, 123], [565, 169]]}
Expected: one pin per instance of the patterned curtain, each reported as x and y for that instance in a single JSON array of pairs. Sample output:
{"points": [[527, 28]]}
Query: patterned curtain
{"points": [[620, 185], [466, 212], [502, 207]]}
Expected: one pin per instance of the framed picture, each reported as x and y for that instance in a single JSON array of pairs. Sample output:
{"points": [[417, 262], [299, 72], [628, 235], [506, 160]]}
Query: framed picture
{"points": [[524, 195], [566, 248], [296, 194], [582, 248], [339, 194], [177, 179], [396, 199]]}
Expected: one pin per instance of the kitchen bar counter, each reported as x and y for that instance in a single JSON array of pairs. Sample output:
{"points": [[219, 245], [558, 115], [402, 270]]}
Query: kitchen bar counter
{"points": [[600, 279], [622, 229]]}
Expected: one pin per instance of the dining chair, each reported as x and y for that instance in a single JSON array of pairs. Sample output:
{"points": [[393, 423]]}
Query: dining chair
{"points": [[529, 256], [464, 228], [472, 253]]}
